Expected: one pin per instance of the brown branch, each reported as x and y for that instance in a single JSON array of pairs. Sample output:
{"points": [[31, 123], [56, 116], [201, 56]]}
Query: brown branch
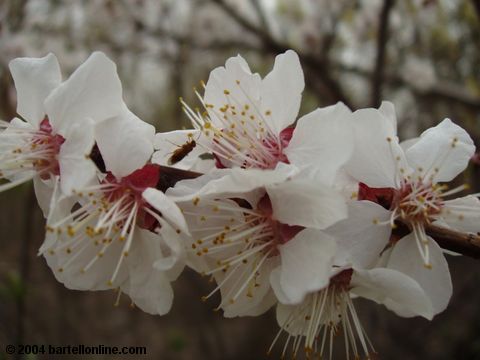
{"points": [[382, 38], [476, 5], [260, 14], [441, 91], [25, 267], [462, 243], [169, 176]]}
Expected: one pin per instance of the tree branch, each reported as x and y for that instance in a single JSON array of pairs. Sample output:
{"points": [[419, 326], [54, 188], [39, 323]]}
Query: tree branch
{"points": [[476, 5], [463, 243], [382, 38], [443, 91], [316, 65], [460, 242]]}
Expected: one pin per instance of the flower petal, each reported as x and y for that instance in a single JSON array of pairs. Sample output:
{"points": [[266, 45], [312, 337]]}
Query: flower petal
{"points": [[125, 142], [378, 160], [43, 193], [76, 167], [436, 282], [57, 208], [442, 152], [310, 205], [388, 110], [167, 208], [229, 182], [293, 325], [234, 81], [148, 287], [250, 302], [305, 264], [93, 91], [363, 235], [67, 267], [395, 290], [462, 214], [281, 91], [322, 142], [34, 78]]}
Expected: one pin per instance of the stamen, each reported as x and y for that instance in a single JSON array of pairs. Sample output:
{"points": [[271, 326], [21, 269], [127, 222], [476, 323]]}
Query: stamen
{"points": [[318, 318]]}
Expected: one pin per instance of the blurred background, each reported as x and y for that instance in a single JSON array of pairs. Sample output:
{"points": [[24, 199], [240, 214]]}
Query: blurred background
{"points": [[423, 55]]}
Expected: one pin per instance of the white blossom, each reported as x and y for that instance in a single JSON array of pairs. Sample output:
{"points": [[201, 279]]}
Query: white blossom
{"points": [[122, 233], [248, 121], [56, 134], [408, 180], [248, 240]]}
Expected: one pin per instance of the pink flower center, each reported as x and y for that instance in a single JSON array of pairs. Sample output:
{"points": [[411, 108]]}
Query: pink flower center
{"points": [[342, 280], [265, 154], [48, 144], [129, 190], [414, 202], [282, 233]]}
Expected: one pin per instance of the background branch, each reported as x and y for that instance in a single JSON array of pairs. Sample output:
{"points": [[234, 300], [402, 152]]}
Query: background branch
{"points": [[382, 38], [476, 5], [316, 65]]}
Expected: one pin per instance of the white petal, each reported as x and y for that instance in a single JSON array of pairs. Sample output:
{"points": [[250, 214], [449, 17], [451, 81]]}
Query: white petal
{"points": [[305, 264], [285, 314], [395, 290], [388, 110], [299, 202], [43, 192], [407, 144], [97, 277], [462, 214], [173, 260], [76, 168], [149, 288], [377, 160], [442, 152], [92, 91], [125, 142], [168, 143], [436, 282], [275, 282], [322, 142], [227, 182], [58, 207], [237, 80], [167, 208], [261, 298], [34, 78], [281, 91], [362, 236]]}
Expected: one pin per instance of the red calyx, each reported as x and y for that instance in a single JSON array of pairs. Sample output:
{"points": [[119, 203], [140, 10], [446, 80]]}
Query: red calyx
{"points": [[54, 142], [381, 196], [143, 178], [283, 232], [342, 279]]}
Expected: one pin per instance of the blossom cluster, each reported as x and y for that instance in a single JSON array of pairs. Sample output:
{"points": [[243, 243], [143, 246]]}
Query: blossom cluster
{"points": [[302, 214]]}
